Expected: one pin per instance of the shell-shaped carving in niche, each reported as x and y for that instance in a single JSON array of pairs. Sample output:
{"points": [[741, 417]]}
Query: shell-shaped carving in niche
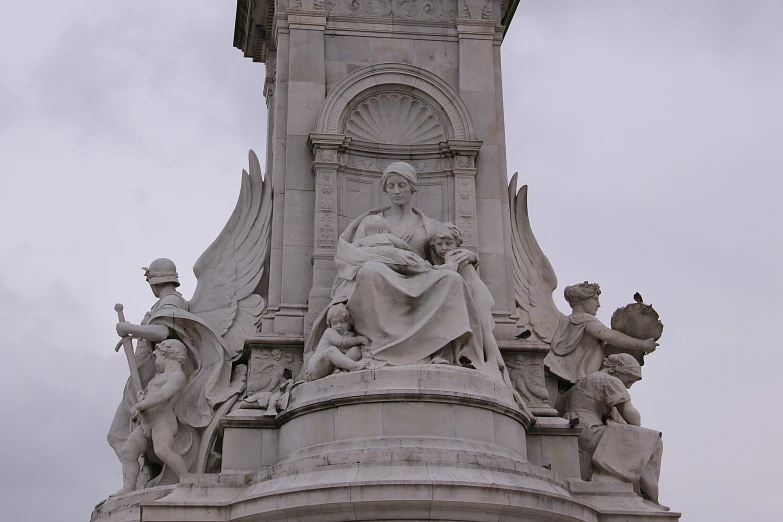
{"points": [[394, 119]]}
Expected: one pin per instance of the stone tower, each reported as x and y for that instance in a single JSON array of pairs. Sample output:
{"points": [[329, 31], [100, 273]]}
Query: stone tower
{"points": [[353, 85]]}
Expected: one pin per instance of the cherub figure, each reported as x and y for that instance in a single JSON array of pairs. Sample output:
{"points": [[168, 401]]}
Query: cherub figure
{"points": [[445, 242], [380, 241], [577, 340], [339, 348], [156, 416]]}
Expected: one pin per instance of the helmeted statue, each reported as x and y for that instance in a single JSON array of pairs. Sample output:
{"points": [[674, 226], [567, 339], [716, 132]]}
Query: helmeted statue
{"points": [[225, 309]]}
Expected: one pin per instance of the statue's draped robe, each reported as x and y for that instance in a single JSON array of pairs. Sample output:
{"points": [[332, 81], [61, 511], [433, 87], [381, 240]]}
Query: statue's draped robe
{"points": [[618, 450], [409, 318], [208, 385], [574, 354]]}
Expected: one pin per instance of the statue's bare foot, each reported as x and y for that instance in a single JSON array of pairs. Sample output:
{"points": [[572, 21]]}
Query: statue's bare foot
{"points": [[122, 491]]}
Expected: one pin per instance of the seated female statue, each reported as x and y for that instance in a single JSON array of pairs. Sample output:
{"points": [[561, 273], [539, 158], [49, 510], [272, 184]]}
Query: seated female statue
{"points": [[411, 317]]}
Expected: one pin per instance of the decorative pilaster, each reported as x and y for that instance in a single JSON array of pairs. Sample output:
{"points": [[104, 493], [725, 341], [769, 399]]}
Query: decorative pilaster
{"points": [[306, 22], [326, 151]]}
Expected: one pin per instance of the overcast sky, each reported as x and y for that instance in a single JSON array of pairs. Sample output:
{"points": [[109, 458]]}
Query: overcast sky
{"points": [[649, 132]]}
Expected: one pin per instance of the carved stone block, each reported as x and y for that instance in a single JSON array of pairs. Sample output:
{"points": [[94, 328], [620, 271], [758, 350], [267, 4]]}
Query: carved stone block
{"points": [[267, 364], [525, 363]]}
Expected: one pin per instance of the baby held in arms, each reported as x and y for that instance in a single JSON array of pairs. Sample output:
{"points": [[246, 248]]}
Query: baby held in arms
{"points": [[340, 348], [380, 241]]}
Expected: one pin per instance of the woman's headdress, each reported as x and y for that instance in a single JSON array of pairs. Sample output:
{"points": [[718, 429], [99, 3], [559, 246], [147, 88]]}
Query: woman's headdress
{"points": [[403, 169]]}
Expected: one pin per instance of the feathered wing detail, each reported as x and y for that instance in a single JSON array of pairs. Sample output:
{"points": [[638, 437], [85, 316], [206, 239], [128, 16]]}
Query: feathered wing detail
{"points": [[230, 270], [534, 278]]}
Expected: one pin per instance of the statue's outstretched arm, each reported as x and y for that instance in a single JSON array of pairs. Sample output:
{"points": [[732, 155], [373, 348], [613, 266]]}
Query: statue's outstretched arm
{"points": [[150, 332], [621, 340], [629, 413]]}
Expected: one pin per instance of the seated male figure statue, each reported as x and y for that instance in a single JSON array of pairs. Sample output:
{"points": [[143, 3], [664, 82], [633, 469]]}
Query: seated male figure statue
{"points": [[156, 417]]}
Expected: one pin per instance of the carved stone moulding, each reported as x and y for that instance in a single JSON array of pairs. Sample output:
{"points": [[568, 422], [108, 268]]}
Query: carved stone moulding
{"points": [[421, 10]]}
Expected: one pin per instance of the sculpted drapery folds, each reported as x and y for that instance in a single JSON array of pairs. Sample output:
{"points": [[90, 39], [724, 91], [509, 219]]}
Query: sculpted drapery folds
{"points": [[212, 326], [411, 313], [413, 305]]}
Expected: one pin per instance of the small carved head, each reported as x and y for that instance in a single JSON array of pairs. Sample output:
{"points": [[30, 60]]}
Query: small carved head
{"points": [[339, 319], [277, 354], [584, 295], [445, 238], [171, 350], [376, 224], [623, 366]]}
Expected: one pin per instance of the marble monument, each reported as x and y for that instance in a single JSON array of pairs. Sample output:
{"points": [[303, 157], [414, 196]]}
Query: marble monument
{"points": [[373, 335]]}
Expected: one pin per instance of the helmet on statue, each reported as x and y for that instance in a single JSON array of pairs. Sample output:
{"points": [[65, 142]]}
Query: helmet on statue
{"points": [[161, 270]]}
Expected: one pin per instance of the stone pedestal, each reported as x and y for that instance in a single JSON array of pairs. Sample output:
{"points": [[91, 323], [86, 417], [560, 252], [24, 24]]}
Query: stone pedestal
{"points": [[408, 443]]}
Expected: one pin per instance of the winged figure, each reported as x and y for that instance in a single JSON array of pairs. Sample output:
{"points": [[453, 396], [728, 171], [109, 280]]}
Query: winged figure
{"points": [[577, 340], [226, 307]]}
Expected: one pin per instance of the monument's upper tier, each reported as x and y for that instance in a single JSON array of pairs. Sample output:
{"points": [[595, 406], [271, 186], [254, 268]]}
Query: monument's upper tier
{"points": [[254, 33]]}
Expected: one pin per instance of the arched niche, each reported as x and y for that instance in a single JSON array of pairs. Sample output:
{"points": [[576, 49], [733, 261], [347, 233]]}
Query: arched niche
{"points": [[421, 85], [377, 115]]}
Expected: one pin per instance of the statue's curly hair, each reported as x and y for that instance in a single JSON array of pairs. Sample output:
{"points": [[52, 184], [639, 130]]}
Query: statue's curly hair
{"points": [[448, 231], [173, 349], [575, 294]]}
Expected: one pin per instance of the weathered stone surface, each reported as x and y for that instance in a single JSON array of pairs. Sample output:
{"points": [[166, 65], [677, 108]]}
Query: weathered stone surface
{"points": [[390, 376]]}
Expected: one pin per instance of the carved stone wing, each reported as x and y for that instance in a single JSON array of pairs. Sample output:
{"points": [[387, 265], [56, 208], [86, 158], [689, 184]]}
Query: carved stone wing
{"points": [[230, 270], [534, 277]]}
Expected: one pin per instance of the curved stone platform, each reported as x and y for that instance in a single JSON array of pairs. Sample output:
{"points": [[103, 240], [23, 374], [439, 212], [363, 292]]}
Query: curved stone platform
{"points": [[406, 443]]}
